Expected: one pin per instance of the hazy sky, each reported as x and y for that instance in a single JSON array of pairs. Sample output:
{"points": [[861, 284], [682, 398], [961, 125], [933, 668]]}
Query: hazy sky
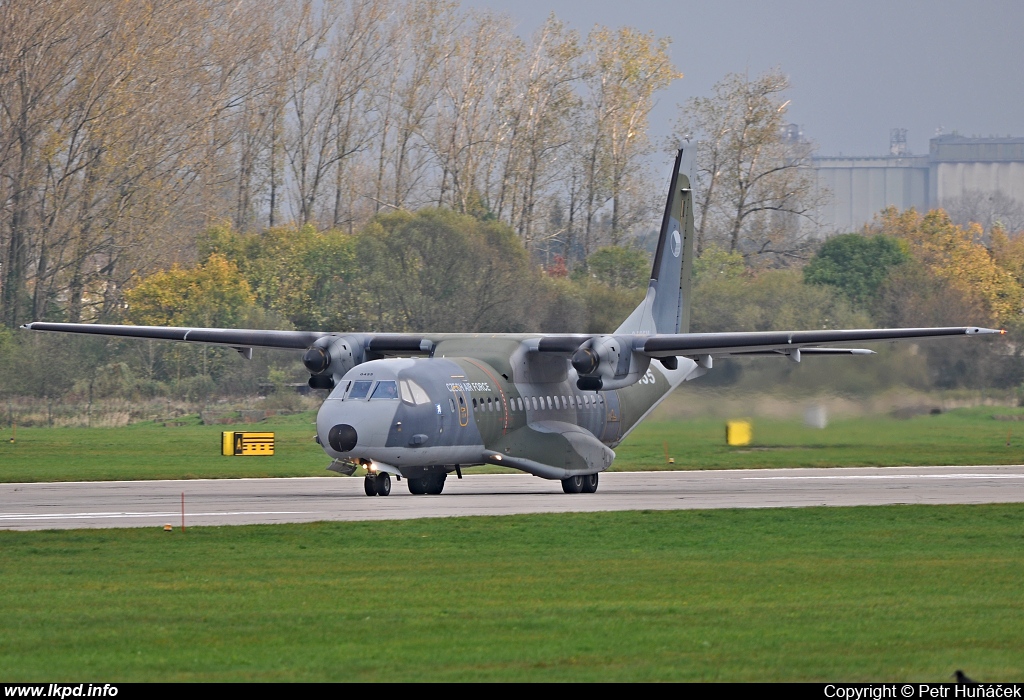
{"points": [[857, 68]]}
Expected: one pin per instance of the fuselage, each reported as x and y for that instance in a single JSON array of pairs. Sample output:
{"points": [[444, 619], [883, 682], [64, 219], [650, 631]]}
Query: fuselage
{"points": [[502, 404]]}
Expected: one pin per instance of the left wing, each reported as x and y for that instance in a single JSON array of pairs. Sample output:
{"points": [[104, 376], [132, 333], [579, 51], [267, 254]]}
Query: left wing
{"points": [[786, 342]]}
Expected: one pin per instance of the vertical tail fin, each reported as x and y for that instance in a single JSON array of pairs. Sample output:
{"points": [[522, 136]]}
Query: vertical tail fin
{"points": [[666, 308]]}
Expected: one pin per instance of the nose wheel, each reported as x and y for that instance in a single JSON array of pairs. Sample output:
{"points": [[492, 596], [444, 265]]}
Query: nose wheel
{"points": [[379, 485]]}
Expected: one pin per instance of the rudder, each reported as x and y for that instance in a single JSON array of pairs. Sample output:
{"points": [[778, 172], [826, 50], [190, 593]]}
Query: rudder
{"points": [[666, 308]]}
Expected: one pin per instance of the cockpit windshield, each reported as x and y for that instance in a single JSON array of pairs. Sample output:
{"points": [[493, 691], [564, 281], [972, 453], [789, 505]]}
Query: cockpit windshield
{"points": [[385, 390], [413, 393], [359, 390]]}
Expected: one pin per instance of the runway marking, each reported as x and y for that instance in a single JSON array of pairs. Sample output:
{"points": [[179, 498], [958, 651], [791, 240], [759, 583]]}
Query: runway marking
{"points": [[87, 516], [888, 476]]}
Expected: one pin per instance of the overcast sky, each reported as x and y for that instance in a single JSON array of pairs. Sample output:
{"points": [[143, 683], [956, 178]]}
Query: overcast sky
{"points": [[857, 68]]}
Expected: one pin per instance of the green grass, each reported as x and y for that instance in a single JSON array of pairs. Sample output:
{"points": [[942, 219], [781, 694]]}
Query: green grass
{"points": [[856, 594], [960, 437], [152, 451]]}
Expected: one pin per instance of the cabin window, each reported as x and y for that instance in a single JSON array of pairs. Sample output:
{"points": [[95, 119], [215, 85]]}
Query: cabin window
{"points": [[360, 390], [385, 390], [490, 407], [451, 404], [549, 402], [474, 402], [565, 402], [534, 398]]}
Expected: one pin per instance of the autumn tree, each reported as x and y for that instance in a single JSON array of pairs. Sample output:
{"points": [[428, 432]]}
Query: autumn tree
{"points": [[627, 68]]}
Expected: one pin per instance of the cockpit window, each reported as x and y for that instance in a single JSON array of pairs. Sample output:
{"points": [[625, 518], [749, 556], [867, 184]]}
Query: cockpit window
{"points": [[413, 393], [360, 390], [385, 390]]}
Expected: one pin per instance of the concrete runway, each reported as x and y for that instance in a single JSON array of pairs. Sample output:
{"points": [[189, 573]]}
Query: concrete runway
{"points": [[244, 501]]}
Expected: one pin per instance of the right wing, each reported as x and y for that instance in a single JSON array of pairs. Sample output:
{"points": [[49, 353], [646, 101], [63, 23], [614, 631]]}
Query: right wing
{"points": [[292, 340], [245, 339]]}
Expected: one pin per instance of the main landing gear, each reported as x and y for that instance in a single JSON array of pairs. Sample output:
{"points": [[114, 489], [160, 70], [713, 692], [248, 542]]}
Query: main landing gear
{"points": [[379, 485], [586, 483], [432, 484]]}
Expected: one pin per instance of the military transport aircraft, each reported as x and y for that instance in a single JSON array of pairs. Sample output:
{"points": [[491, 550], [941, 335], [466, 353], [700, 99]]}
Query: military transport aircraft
{"points": [[552, 405]]}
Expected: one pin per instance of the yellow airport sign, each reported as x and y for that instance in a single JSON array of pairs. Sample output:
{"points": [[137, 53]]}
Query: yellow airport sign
{"points": [[738, 433], [244, 444]]}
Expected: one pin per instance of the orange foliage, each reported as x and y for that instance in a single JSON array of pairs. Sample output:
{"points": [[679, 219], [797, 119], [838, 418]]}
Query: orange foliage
{"points": [[958, 256]]}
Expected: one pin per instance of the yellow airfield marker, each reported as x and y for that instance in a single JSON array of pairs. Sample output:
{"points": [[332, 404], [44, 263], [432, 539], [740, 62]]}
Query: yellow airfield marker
{"points": [[243, 444], [738, 433]]}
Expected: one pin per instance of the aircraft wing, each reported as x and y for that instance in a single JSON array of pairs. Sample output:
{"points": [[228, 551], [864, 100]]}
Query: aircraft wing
{"points": [[785, 342], [294, 340], [382, 344], [657, 346]]}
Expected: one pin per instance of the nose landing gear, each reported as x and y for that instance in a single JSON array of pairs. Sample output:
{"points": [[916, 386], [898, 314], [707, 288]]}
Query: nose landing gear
{"points": [[379, 485]]}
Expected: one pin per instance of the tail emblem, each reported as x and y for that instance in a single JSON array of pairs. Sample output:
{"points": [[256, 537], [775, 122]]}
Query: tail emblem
{"points": [[676, 244]]}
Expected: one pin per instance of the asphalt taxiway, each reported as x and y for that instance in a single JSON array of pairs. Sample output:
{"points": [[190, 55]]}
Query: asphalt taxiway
{"points": [[104, 504]]}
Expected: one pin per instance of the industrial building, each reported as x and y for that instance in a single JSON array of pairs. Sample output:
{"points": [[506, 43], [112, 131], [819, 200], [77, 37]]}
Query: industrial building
{"points": [[955, 167]]}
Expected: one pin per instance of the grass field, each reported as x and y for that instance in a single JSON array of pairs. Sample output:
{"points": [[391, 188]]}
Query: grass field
{"points": [[855, 594], [152, 451]]}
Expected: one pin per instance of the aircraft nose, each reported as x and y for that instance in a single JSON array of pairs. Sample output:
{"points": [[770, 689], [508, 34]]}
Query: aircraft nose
{"points": [[342, 437]]}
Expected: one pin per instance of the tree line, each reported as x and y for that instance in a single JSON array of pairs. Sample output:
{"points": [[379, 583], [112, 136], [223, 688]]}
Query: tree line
{"points": [[125, 128], [436, 270]]}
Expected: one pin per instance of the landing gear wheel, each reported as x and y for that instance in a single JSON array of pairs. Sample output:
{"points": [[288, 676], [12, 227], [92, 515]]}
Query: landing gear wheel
{"points": [[417, 487], [435, 484], [574, 484], [383, 484], [590, 483], [369, 485]]}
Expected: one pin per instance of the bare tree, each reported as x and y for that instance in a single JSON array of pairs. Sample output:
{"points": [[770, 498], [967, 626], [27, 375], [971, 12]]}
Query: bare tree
{"points": [[755, 177], [538, 132], [986, 209]]}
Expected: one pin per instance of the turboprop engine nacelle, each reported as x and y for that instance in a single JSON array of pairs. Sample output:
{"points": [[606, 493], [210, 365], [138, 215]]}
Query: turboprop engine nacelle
{"points": [[608, 362], [330, 357]]}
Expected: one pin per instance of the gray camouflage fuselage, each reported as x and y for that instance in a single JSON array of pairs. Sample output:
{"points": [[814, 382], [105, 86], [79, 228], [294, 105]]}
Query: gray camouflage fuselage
{"points": [[505, 405]]}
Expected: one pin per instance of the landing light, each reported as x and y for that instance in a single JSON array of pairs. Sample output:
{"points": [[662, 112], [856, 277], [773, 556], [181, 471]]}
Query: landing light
{"points": [[497, 458]]}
